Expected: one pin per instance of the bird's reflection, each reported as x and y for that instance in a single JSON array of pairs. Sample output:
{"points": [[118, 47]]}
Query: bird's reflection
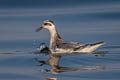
{"points": [[53, 62], [51, 78]]}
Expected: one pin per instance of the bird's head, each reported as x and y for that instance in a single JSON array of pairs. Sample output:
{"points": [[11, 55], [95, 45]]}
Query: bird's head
{"points": [[48, 24]]}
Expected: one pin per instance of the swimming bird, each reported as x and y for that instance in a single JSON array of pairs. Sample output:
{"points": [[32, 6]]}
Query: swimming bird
{"points": [[58, 45]]}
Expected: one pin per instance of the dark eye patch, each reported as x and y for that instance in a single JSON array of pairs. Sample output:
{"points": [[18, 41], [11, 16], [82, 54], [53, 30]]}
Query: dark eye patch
{"points": [[47, 24]]}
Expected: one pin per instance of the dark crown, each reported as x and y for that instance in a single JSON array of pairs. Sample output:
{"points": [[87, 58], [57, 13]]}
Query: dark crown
{"points": [[49, 21]]}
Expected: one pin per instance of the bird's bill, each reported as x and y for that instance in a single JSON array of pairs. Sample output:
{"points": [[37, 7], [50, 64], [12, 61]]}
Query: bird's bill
{"points": [[38, 29]]}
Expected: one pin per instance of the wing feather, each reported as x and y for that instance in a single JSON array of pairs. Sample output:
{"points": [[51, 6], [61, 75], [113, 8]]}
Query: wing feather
{"points": [[66, 45]]}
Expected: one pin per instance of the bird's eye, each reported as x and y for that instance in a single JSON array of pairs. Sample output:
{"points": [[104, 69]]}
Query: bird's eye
{"points": [[45, 24]]}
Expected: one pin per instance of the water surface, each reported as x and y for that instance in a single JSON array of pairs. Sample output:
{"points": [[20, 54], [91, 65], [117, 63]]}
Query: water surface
{"points": [[81, 21]]}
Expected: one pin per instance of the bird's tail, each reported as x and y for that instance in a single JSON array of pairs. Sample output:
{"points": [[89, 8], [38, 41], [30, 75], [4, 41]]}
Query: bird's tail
{"points": [[94, 46], [98, 43]]}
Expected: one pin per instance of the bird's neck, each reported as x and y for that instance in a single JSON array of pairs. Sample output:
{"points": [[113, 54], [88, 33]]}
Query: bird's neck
{"points": [[54, 37]]}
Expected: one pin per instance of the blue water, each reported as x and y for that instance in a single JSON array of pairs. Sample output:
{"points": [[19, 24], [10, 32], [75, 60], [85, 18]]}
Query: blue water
{"points": [[84, 21]]}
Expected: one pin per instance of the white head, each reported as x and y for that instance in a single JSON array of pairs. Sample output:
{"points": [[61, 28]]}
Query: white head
{"points": [[48, 24]]}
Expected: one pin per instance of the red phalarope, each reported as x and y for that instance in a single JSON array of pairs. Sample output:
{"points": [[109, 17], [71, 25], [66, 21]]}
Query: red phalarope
{"points": [[58, 45]]}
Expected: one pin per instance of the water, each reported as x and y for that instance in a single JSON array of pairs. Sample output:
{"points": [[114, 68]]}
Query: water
{"points": [[81, 21]]}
